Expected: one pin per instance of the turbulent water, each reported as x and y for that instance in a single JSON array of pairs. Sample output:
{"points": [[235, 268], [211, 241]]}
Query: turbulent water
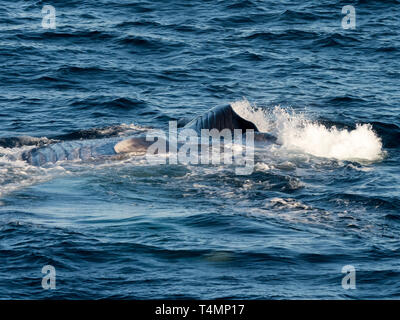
{"points": [[325, 196]]}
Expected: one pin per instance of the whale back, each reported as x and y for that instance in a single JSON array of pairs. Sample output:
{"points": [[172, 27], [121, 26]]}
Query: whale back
{"points": [[221, 118], [69, 150]]}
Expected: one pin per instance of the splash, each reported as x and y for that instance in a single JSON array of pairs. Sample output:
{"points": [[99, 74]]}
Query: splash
{"points": [[297, 133], [16, 174]]}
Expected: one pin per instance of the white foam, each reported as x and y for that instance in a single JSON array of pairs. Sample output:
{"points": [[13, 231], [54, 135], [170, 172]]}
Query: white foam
{"points": [[289, 203], [16, 173], [297, 133]]}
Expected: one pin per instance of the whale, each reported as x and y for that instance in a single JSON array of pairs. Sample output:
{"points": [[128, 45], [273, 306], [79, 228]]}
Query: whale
{"points": [[219, 118]]}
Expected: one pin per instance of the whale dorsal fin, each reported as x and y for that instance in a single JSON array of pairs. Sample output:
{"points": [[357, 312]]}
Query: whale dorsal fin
{"points": [[221, 118]]}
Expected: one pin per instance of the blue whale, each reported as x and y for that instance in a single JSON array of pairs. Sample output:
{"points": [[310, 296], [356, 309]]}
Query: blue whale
{"points": [[220, 118]]}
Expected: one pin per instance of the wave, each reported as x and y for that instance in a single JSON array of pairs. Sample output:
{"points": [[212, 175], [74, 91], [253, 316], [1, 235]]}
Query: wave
{"points": [[293, 34], [148, 42], [383, 203], [298, 134], [86, 134], [71, 35], [241, 4], [17, 142], [106, 103], [316, 39], [73, 70], [292, 15], [335, 40], [99, 133], [139, 23]]}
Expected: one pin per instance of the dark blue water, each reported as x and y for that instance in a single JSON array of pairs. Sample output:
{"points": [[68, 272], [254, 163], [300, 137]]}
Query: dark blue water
{"points": [[126, 229]]}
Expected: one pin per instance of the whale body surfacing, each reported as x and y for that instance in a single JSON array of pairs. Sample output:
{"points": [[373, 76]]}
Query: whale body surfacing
{"points": [[219, 118]]}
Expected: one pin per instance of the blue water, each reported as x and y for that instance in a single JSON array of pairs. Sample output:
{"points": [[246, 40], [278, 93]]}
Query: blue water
{"points": [[126, 229]]}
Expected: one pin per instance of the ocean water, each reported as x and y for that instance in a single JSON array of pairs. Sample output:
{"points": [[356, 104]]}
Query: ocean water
{"points": [[326, 196]]}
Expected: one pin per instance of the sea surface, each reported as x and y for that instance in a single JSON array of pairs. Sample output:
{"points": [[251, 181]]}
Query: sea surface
{"points": [[325, 197]]}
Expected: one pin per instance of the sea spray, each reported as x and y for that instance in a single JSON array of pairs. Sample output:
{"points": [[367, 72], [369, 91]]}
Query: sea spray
{"points": [[295, 132]]}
